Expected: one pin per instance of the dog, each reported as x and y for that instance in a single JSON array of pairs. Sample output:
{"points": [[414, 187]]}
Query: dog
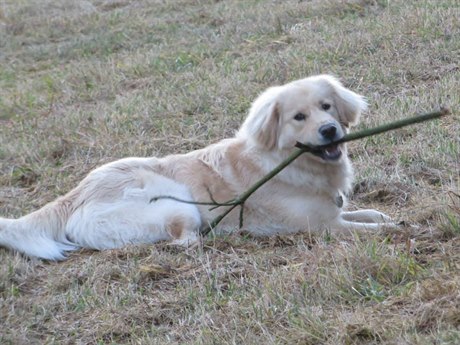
{"points": [[123, 202]]}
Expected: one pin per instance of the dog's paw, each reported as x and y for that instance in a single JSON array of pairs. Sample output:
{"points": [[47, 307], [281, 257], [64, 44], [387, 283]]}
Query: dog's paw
{"points": [[383, 218], [189, 241]]}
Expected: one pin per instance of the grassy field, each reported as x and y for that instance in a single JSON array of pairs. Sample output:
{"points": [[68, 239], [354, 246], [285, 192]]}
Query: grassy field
{"points": [[85, 82]]}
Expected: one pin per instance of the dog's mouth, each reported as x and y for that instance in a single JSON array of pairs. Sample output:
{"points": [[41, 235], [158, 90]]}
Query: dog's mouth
{"points": [[328, 153]]}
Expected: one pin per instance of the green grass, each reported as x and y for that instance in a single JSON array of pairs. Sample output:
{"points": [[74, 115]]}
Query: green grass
{"points": [[84, 83]]}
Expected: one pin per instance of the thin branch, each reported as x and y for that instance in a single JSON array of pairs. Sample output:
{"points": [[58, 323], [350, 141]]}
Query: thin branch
{"points": [[380, 129], [302, 148], [240, 200], [205, 203], [241, 215]]}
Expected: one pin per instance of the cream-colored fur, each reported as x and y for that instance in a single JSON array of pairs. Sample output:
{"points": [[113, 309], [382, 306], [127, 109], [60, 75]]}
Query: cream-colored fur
{"points": [[112, 206]]}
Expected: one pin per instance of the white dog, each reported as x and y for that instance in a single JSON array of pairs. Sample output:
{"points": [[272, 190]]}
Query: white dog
{"points": [[112, 206]]}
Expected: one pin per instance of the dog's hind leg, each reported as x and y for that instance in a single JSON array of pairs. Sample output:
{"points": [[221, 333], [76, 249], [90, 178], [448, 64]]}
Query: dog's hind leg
{"points": [[183, 230], [137, 217]]}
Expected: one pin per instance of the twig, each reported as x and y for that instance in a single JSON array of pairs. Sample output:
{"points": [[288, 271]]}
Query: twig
{"points": [[205, 203], [302, 148], [380, 129]]}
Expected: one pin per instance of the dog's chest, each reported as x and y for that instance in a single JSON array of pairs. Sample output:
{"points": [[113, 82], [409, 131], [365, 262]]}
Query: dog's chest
{"points": [[285, 211]]}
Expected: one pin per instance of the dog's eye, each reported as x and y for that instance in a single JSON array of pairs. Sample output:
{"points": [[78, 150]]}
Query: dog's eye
{"points": [[299, 117], [326, 106]]}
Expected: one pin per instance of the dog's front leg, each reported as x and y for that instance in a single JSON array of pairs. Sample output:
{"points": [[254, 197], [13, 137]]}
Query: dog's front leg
{"points": [[363, 220], [366, 216]]}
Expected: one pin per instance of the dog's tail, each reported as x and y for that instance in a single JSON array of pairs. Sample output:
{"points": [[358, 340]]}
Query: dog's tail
{"points": [[40, 234]]}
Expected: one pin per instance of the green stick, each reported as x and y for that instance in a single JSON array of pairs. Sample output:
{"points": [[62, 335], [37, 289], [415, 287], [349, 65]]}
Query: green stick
{"points": [[241, 199], [380, 129], [302, 148]]}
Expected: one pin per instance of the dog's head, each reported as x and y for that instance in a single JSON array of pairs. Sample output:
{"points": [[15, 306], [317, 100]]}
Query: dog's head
{"points": [[316, 110]]}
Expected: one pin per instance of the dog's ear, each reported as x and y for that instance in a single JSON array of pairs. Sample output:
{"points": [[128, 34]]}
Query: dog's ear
{"points": [[348, 103], [262, 124], [267, 135]]}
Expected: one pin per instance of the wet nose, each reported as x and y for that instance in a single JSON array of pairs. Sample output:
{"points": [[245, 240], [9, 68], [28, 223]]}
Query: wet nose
{"points": [[328, 131]]}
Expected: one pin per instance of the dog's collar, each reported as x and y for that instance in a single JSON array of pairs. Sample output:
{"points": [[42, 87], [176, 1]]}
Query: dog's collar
{"points": [[339, 200]]}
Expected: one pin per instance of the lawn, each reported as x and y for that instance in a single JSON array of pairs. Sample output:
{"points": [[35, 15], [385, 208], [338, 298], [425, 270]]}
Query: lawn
{"points": [[83, 83]]}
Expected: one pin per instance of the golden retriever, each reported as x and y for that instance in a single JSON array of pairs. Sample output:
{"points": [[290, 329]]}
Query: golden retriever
{"points": [[113, 207]]}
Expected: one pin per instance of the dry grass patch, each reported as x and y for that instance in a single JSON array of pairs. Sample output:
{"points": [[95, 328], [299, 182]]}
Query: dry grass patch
{"points": [[83, 83]]}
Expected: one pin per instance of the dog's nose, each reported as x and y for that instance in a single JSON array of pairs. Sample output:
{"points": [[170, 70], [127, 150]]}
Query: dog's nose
{"points": [[328, 131]]}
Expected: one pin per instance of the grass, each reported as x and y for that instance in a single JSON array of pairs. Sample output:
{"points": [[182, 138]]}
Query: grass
{"points": [[84, 83]]}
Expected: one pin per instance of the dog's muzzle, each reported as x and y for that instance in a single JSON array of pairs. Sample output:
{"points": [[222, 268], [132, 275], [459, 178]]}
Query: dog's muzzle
{"points": [[329, 133], [328, 153]]}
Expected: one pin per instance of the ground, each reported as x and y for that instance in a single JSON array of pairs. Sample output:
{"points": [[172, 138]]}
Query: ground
{"points": [[83, 83]]}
